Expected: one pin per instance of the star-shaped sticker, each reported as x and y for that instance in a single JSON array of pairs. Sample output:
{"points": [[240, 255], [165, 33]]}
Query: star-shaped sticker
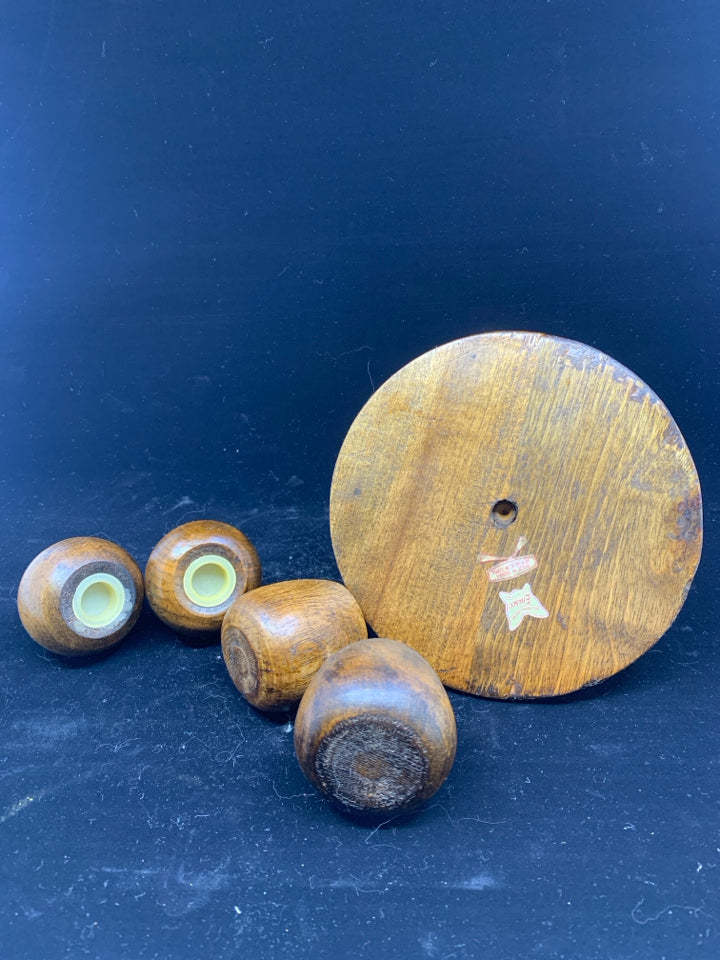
{"points": [[522, 603]]}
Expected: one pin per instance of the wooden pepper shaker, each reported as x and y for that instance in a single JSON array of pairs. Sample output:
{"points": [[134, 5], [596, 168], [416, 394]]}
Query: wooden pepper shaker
{"points": [[196, 571], [375, 731], [276, 638], [80, 596]]}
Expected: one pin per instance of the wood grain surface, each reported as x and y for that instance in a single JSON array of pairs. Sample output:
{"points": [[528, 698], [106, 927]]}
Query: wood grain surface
{"points": [[521, 509], [275, 638], [169, 562], [48, 586], [375, 731]]}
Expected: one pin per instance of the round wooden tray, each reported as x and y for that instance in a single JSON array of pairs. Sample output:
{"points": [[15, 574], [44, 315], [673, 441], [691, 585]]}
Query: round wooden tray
{"points": [[519, 508]]}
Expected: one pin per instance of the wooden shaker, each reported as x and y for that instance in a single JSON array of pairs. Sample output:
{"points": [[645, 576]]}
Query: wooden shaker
{"points": [[196, 571], [80, 596], [276, 638], [375, 731]]}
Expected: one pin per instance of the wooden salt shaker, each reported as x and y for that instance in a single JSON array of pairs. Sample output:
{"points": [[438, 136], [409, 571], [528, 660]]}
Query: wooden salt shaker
{"points": [[276, 638], [196, 571], [375, 731], [80, 596]]}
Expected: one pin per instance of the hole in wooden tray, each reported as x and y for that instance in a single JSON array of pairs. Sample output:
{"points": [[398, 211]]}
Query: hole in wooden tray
{"points": [[504, 513]]}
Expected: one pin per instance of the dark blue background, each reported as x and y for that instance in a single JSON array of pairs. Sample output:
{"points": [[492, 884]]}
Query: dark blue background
{"points": [[221, 226]]}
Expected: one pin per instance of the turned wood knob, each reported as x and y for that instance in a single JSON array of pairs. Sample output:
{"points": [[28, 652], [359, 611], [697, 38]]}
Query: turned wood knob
{"points": [[275, 639], [375, 731], [80, 596], [196, 571]]}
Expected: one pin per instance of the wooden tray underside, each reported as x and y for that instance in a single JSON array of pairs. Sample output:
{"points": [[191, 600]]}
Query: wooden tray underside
{"points": [[549, 457]]}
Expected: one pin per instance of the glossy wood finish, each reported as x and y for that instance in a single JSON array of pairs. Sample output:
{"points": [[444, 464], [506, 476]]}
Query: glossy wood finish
{"points": [[375, 731], [521, 509], [82, 577], [214, 556], [276, 638]]}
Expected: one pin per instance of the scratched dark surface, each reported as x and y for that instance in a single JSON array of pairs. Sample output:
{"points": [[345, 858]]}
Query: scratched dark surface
{"points": [[221, 226]]}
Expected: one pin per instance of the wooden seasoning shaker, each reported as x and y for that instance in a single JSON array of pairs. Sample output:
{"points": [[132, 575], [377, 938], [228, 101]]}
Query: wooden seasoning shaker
{"points": [[375, 731], [80, 596], [275, 638], [196, 571]]}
